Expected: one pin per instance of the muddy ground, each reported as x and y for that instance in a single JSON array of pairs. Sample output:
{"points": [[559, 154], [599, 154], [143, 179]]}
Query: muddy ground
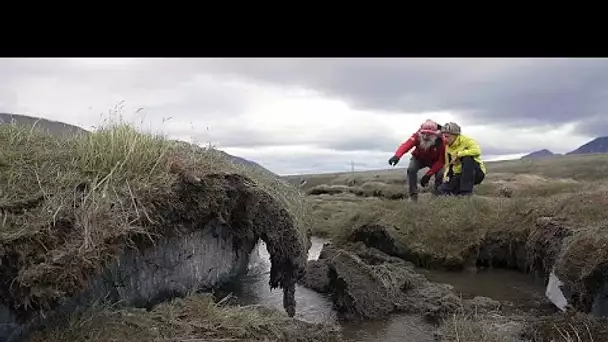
{"points": [[366, 283]]}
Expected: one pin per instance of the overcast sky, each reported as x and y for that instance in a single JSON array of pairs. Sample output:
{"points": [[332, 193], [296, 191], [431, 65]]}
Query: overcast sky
{"points": [[318, 115]]}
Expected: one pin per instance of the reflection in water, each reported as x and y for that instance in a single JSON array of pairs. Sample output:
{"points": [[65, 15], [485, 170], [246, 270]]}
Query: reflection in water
{"points": [[508, 287], [253, 289], [399, 328]]}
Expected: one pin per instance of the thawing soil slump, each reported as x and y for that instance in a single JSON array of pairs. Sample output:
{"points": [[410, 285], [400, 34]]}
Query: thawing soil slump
{"points": [[565, 234], [546, 219], [70, 205]]}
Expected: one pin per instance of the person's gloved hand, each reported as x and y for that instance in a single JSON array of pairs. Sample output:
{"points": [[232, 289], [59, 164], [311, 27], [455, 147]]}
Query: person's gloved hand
{"points": [[393, 161], [454, 159], [424, 181]]}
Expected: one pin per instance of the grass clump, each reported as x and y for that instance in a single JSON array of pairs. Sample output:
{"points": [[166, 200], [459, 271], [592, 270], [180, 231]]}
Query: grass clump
{"points": [[70, 204], [527, 185], [331, 209], [567, 327], [367, 189], [583, 264], [476, 328], [193, 318]]}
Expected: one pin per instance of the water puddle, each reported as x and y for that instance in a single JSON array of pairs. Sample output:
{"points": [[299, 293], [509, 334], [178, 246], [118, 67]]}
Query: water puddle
{"points": [[514, 289], [398, 328], [253, 289], [311, 306]]}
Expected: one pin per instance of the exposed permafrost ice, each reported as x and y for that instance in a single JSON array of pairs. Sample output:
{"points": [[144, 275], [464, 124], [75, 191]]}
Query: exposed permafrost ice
{"points": [[554, 292]]}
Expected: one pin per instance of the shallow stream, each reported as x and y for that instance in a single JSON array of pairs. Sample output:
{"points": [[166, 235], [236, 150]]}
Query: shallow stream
{"points": [[505, 286]]}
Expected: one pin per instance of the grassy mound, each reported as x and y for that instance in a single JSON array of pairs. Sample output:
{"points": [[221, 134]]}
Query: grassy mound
{"points": [[331, 209], [567, 327], [531, 215], [193, 318], [475, 327], [566, 230], [70, 204], [494, 327], [528, 185]]}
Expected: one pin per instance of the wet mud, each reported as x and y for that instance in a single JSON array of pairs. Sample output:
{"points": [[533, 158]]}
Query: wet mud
{"points": [[548, 245], [365, 283], [424, 302]]}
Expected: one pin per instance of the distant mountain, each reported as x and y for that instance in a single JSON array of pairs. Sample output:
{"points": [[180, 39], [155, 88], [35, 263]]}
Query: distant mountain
{"points": [[54, 127], [60, 128], [243, 161], [597, 145], [539, 154]]}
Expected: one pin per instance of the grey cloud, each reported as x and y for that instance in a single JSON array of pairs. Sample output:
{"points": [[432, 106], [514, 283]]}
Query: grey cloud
{"points": [[592, 125], [229, 136], [518, 92], [376, 143], [509, 92], [163, 88], [372, 142], [500, 150]]}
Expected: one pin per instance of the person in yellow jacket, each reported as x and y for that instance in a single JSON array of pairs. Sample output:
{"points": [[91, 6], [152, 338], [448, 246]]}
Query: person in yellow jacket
{"points": [[464, 167]]}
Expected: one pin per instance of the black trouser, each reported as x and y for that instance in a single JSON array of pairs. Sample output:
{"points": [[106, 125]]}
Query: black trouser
{"points": [[462, 183], [412, 176]]}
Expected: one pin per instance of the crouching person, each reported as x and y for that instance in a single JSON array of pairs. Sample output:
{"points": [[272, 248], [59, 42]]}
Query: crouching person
{"points": [[428, 151], [464, 167]]}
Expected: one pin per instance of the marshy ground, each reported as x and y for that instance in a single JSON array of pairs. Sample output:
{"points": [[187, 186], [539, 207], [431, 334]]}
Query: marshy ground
{"points": [[72, 205], [529, 216], [69, 205]]}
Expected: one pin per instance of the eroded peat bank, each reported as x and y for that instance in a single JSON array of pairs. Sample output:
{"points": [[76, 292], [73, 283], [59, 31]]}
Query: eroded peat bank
{"points": [[112, 235], [523, 219], [119, 235]]}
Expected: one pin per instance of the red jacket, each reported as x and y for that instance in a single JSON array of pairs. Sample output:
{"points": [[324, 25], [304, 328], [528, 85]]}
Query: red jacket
{"points": [[434, 157]]}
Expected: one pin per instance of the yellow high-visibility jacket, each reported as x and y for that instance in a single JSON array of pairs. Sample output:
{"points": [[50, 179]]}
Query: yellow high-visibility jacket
{"points": [[462, 146]]}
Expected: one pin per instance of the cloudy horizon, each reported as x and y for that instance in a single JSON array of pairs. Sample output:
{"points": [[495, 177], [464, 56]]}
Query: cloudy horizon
{"points": [[320, 115]]}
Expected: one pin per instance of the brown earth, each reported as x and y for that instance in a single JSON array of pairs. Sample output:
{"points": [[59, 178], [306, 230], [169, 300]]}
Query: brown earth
{"points": [[71, 204], [367, 189], [528, 236], [534, 216], [230, 198], [366, 283]]}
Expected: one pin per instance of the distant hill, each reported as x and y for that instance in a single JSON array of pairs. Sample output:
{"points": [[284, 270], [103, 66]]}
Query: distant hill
{"points": [[597, 145], [539, 154], [243, 161], [54, 127], [60, 128]]}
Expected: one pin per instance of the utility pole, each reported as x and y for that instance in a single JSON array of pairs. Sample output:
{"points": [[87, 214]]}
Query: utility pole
{"points": [[352, 166]]}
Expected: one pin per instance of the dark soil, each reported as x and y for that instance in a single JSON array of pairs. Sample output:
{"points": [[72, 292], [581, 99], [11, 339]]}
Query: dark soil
{"points": [[359, 191], [551, 243], [378, 236], [365, 283], [38, 269], [316, 276]]}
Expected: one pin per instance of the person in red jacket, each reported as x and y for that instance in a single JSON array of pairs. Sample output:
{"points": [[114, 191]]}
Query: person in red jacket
{"points": [[429, 151]]}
